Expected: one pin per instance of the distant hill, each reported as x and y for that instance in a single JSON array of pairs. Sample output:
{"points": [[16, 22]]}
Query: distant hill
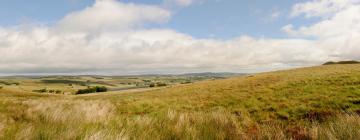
{"points": [[341, 62], [212, 74]]}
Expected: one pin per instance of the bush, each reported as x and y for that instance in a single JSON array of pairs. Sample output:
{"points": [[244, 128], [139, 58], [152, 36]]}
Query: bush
{"points": [[58, 91], [152, 85], [1, 87], [101, 89], [158, 84], [9, 83], [41, 90], [85, 91], [92, 90]]}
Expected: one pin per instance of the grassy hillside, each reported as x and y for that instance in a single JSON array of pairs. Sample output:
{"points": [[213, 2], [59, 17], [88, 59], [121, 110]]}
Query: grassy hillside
{"points": [[308, 103]]}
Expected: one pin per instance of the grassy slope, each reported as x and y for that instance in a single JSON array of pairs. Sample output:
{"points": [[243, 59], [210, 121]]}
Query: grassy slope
{"points": [[300, 103]]}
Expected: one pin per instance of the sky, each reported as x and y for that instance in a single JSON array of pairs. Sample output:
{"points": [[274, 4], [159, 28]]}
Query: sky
{"points": [[116, 37]]}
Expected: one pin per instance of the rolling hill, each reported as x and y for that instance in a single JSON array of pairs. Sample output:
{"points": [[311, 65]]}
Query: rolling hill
{"points": [[320, 102]]}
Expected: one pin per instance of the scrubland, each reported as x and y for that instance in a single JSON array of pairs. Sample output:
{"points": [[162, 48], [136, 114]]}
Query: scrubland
{"points": [[308, 103]]}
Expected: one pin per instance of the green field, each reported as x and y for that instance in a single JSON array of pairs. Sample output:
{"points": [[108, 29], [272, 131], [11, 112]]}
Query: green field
{"points": [[308, 103]]}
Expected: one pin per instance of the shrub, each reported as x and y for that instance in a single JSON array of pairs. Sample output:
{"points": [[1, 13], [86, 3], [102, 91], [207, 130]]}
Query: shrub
{"points": [[85, 91], [41, 90], [92, 90], [9, 83], [152, 85], [101, 89], [158, 84], [58, 91]]}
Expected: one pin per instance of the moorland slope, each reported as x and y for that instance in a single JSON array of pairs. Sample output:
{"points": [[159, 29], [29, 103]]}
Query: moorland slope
{"points": [[308, 103]]}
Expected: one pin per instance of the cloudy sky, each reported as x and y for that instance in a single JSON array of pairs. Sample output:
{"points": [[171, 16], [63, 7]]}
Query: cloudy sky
{"points": [[174, 36]]}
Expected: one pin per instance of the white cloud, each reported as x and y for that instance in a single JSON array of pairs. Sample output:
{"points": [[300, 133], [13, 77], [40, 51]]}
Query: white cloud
{"points": [[107, 15], [108, 38], [289, 29], [345, 22], [181, 3], [184, 2], [321, 8], [338, 34], [39, 50]]}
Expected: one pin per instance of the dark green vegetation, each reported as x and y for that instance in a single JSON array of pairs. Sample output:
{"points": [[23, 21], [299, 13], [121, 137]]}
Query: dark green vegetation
{"points": [[8, 83], [41, 90], [308, 103], [341, 62], [96, 89]]}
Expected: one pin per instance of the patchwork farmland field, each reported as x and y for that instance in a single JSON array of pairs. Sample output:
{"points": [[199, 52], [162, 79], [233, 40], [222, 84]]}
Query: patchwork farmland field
{"points": [[71, 84]]}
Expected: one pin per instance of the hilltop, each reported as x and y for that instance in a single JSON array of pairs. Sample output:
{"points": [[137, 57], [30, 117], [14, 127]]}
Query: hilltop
{"points": [[307, 103], [342, 62]]}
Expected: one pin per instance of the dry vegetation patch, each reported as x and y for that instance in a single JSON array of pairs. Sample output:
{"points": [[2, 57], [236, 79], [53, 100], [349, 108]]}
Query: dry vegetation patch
{"points": [[65, 110]]}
